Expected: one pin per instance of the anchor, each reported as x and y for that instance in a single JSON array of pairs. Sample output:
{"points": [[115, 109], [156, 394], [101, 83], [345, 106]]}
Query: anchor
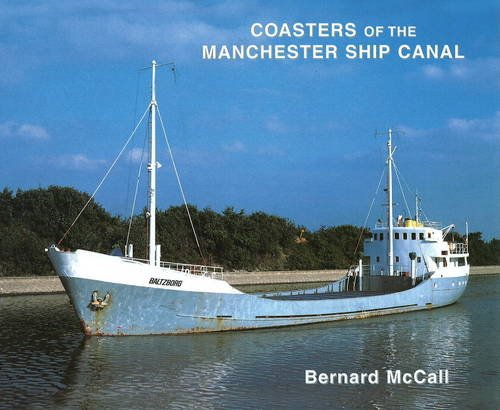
{"points": [[98, 303]]}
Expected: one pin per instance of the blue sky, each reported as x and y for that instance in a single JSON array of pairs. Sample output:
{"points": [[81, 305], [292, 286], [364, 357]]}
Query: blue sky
{"points": [[292, 138]]}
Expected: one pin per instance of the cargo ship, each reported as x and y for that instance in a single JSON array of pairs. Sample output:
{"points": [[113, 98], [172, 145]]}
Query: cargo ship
{"points": [[409, 264]]}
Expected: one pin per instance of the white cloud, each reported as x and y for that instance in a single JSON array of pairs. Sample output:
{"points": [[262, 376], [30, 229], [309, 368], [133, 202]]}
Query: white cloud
{"points": [[78, 162], [236, 146], [275, 125], [265, 151], [135, 155], [433, 71], [33, 131], [484, 128], [11, 129], [116, 29], [6, 129], [411, 132], [485, 70], [487, 129], [271, 151], [460, 124]]}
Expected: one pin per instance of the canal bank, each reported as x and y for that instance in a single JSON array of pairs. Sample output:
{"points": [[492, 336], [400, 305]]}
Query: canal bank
{"points": [[41, 285]]}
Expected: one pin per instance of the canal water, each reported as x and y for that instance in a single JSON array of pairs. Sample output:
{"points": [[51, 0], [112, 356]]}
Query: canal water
{"points": [[46, 362]]}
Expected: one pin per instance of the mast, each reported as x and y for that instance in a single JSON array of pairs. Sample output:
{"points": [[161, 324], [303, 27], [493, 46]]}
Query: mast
{"points": [[416, 206], [390, 219], [467, 233], [152, 171]]}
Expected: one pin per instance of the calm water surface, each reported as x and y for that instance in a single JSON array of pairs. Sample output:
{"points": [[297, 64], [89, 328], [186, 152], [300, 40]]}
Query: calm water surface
{"points": [[45, 361]]}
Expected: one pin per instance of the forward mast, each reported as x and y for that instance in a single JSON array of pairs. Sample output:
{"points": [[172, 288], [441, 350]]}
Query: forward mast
{"points": [[154, 250]]}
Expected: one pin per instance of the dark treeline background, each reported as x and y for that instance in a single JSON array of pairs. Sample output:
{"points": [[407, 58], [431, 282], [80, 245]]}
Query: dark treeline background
{"points": [[33, 219]]}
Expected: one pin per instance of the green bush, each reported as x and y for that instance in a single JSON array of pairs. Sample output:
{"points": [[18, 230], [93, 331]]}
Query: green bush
{"points": [[32, 220]]}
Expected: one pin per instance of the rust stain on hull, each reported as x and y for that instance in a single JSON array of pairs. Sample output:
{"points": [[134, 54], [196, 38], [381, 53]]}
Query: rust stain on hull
{"points": [[223, 325]]}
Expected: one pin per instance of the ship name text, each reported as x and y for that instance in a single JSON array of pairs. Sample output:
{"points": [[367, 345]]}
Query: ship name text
{"points": [[165, 282]]}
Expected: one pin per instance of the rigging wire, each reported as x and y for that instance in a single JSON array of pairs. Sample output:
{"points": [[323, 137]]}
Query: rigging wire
{"points": [[136, 190], [180, 185], [409, 190], [136, 96], [407, 186], [105, 176], [404, 180], [401, 187], [134, 119], [398, 174], [369, 211]]}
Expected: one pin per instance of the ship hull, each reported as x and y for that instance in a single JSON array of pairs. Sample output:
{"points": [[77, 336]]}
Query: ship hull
{"points": [[142, 311], [135, 309]]}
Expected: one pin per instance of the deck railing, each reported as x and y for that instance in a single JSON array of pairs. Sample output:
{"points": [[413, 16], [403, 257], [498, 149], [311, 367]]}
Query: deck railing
{"points": [[399, 270], [458, 248], [426, 224], [214, 272], [431, 224]]}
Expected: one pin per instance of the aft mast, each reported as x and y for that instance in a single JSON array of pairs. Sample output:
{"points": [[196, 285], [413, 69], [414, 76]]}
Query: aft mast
{"points": [[152, 171], [390, 219]]}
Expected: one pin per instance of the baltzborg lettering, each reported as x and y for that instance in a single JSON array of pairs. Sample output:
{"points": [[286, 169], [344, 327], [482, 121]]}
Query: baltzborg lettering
{"points": [[165, 282]]}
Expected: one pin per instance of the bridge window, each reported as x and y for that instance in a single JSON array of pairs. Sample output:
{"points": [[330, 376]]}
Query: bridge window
{"points": [[457, 261], [378, 258], [413, 236], [421, 236], [441, 262], [396, 235], [381, 236], [375, 236], [419, 259], [405, 235]]}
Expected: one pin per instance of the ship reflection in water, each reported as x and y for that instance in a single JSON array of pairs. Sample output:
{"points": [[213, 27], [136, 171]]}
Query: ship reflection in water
{"points": [[45, 361]]}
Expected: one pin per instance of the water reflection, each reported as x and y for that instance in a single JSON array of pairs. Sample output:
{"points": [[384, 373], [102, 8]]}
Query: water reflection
{"points": [[52, 363], [37, 336], [207, 370]]}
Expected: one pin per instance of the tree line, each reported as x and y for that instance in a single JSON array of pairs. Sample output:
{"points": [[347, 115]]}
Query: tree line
{"points": [[33, 219]]}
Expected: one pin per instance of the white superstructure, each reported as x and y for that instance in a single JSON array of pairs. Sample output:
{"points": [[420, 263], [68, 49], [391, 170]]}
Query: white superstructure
{"points": [[421, 240], [410, 247]]}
